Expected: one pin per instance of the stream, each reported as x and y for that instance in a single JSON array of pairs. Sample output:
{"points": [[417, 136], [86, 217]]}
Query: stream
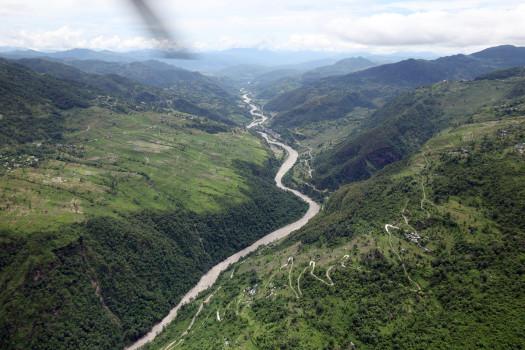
{"points": [[211, 276]]}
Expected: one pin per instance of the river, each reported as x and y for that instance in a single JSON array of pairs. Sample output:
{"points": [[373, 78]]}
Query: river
{"points": [[211, 276]]}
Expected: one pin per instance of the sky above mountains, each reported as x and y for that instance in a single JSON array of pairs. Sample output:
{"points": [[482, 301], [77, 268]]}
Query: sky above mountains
{"points": [[376, 26]]}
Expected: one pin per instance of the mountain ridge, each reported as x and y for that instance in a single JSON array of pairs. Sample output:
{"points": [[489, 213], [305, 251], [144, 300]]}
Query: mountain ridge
{"points": [[404, 123], [386, 81]]}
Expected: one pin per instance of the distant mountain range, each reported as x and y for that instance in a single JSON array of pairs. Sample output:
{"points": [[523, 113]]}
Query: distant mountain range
{"points": [[214, 61], [149, 72], [334, 97]]}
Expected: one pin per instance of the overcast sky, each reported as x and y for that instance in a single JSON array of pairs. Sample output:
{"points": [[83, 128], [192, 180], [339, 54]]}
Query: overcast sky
{"points": [[377, 26]]}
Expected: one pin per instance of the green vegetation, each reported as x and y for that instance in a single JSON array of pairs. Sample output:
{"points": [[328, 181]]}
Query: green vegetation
{"points": [[167, 86], [24, 92], [116, 197], [334, 97], [110, 212], [406, 122], [446, 273], [326, 113]]}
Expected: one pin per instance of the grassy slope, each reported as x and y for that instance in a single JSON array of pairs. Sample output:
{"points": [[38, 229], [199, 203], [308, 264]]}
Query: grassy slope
{"points": [[466, 291], [118, 163]]}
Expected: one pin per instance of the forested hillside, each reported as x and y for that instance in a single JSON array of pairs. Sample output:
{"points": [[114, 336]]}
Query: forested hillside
{"points": [[111, 209], [428, 253], [336, 97], [406, 122], [25, 92], [128, 80]]}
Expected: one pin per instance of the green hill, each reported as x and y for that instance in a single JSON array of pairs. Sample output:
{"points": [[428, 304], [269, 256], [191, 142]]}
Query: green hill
{"points": [[149, 72], [342, 67], [127, 80], [111, 210], [426, 254], [406, 122], [205, 92], [25, 91]]}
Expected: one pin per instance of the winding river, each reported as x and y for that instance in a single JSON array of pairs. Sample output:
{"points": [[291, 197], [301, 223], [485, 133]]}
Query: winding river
{"points": [[211, 276]]}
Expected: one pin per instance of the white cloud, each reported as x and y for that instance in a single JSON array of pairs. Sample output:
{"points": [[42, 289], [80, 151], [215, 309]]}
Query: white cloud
{"points": [[452, 6], [433, 29], [63, 37], [373, 25], [66, 38]]}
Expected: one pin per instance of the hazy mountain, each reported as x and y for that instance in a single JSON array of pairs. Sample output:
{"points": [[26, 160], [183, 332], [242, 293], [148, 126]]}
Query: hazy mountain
{"points": [[307, 71], [267, 89], [82, 54], [148, 72], [87, 54], [342, 67], [249, 74], [10, 48], [214, 61]]}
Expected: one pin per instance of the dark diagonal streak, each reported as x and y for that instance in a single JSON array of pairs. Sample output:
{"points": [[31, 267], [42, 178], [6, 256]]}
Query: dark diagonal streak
{"points": [[158, 31]]}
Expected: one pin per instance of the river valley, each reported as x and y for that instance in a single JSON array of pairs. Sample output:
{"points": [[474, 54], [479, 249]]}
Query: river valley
{"points": [[211, 276]]}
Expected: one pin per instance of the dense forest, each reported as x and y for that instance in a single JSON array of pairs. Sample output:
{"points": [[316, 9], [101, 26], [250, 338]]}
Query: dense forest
{"points": [[142, 264]]}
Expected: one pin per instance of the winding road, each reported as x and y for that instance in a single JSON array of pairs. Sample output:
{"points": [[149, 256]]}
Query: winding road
{"points": [[399, 257], [211, 276]]}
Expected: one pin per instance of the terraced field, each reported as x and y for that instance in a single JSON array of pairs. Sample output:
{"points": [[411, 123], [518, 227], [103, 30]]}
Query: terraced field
{"points": [[119, 163]]}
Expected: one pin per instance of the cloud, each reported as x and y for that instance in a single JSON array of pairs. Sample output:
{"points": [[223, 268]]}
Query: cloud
{"points": [[66, 38], [432, 28], [334, 25], [60, 38]]}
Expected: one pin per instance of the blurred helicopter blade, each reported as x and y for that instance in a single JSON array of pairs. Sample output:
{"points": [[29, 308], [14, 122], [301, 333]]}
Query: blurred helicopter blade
{"points": [[167, 44]]}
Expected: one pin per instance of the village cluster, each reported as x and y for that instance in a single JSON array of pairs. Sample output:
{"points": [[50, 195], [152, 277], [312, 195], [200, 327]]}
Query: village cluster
{"points": [[463, 152], [10, 163], [252, 291], [415, 237]]}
